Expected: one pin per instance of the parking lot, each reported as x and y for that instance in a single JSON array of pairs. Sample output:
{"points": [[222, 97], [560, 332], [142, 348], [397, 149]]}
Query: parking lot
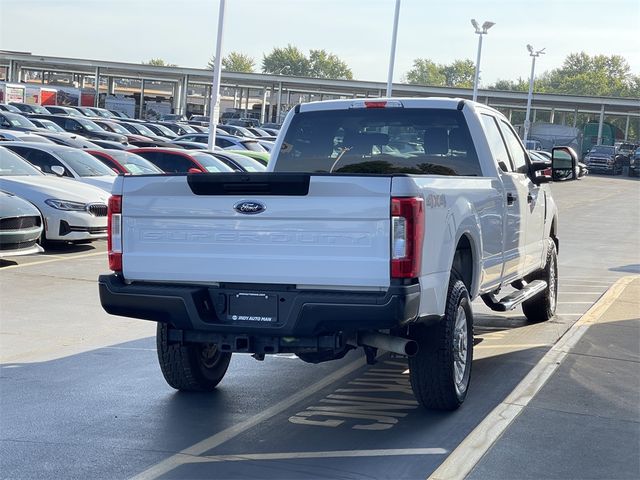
{"points": [[83, 397]]}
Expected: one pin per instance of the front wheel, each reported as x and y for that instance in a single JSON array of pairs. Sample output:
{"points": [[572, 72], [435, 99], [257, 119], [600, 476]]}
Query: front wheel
{"points": [[194, 367], [543, 306], [441, 370]]}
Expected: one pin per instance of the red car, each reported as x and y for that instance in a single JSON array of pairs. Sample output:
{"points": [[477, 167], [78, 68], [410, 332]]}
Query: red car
{"points": [[171, 160], [122, 161]]}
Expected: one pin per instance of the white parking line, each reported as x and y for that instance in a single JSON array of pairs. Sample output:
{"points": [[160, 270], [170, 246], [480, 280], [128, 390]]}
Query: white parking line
{"points": [[328, 454], [465, 457], [186, 455]]}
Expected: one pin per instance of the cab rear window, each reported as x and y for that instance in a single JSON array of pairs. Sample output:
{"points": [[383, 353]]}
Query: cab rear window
{"points": [[379, 141]]}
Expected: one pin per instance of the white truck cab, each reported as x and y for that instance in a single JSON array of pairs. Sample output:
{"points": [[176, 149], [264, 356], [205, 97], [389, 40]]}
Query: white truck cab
{"points": [[376, 225]]}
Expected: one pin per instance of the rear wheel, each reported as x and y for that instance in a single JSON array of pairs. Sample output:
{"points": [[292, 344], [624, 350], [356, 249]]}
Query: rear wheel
{"points": [[543, 306], [195, 367], [441, 370]]}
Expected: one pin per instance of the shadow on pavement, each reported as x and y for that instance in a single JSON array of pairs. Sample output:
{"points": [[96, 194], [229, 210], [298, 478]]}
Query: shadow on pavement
{"points": [[75, 408]]}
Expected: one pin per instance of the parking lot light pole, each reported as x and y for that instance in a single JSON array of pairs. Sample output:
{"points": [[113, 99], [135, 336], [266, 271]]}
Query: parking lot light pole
{"points": [[392, 57], [214, 108], [527, 123], [480, 31]]}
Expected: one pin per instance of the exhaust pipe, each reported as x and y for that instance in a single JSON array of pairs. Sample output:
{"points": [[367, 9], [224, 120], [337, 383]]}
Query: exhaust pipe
{"points": [[401, 346]]}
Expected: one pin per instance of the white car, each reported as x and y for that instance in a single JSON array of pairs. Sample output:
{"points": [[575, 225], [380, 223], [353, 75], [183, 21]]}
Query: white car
{"points": [[20, 226], [72, 211], [20, 136], [66, 162]]}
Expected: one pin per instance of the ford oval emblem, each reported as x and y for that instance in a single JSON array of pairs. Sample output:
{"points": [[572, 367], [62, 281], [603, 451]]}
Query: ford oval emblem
{"points": [[249, 207]]}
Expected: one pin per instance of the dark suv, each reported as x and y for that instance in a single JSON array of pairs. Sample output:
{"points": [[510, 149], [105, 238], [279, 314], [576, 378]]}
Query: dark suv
{"points": [[605, 158], [634, 164], [626, 151]]}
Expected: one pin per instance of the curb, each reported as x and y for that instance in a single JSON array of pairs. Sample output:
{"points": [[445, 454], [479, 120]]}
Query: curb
{"points": [[465, 457]]}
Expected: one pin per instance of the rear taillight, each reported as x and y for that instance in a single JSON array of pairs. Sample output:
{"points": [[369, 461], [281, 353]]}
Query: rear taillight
{"points": [[407, 234], [114, 231]]}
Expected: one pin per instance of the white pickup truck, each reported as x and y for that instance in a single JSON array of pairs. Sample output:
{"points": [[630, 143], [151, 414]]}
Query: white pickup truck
{"points": [[376, 225]]}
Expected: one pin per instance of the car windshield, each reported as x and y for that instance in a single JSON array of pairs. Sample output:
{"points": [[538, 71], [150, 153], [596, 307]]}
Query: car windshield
{"points": [[49, 125], [166, 131], [39, 109], [603, 149], [19, 121], [89, 125], [188, 128], [253, 146], [72, 111], [211, 163], [249, 164], [118, 128], [100, 113], [12, 165], [144, 130], [133, 163], [85, 165], [380, 141], [243, 132]]}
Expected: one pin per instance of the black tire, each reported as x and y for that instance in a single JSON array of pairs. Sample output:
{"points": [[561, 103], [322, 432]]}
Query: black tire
{"points": [[437, 380], [190, 367], [542, 307]]}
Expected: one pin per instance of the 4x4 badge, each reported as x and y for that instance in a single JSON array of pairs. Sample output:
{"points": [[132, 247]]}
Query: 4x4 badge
{"points": [[249, 207]]}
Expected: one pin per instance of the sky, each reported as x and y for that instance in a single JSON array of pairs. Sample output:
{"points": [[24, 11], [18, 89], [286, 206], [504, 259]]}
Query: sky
{"points": [[358, 31]]}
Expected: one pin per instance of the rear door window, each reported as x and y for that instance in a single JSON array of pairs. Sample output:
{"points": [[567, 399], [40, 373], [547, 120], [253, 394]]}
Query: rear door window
{"points": [[518, 155], [496, 143], [380, 141]]}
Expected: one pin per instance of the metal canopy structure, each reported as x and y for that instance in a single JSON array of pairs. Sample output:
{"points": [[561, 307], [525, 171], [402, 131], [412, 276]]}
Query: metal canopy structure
{"points": [[15, 62]]}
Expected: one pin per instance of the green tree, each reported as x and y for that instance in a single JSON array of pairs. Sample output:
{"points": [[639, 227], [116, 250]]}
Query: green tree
{"points": [[425, 72], [288, 60], [520, 85], [597, 75], [460, 73], [327, 65], [235, 62], [158, 62]]}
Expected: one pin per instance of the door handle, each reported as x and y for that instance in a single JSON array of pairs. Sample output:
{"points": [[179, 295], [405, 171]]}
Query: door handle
{"points": [[511, 198]]}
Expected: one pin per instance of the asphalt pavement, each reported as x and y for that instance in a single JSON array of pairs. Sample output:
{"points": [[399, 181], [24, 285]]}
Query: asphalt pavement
{"points": [[576, 415]]}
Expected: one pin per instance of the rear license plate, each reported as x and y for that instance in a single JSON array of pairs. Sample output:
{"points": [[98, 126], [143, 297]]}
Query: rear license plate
{"points": [[253, 307]]}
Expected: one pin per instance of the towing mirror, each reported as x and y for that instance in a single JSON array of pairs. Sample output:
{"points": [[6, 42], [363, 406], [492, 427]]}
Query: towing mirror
{"points": [[541, 173], [564, 162]]}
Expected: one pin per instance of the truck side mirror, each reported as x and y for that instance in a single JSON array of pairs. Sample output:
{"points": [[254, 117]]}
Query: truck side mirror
{"points": [[564, 162]]}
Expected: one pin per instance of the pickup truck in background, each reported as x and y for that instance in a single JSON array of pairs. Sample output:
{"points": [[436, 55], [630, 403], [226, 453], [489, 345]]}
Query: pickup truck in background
{"points": [[605, 158], [376, 225]]}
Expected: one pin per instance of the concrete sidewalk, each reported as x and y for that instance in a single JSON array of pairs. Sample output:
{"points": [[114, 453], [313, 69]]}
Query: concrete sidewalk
{"points": [[577, 415]]}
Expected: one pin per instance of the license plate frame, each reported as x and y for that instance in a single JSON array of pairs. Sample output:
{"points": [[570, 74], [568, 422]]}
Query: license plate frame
{"points": [[256, 307]]}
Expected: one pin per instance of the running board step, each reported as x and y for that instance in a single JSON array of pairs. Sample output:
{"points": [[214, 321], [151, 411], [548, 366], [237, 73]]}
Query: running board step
{"points": [[516, 298]]}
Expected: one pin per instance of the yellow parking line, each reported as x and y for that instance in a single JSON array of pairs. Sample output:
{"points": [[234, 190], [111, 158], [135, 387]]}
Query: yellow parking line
{"points": [[57, 259]]}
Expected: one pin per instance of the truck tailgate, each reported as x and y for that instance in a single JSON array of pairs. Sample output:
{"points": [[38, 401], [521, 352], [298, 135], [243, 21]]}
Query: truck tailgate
{"points": [[314, 230]]}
